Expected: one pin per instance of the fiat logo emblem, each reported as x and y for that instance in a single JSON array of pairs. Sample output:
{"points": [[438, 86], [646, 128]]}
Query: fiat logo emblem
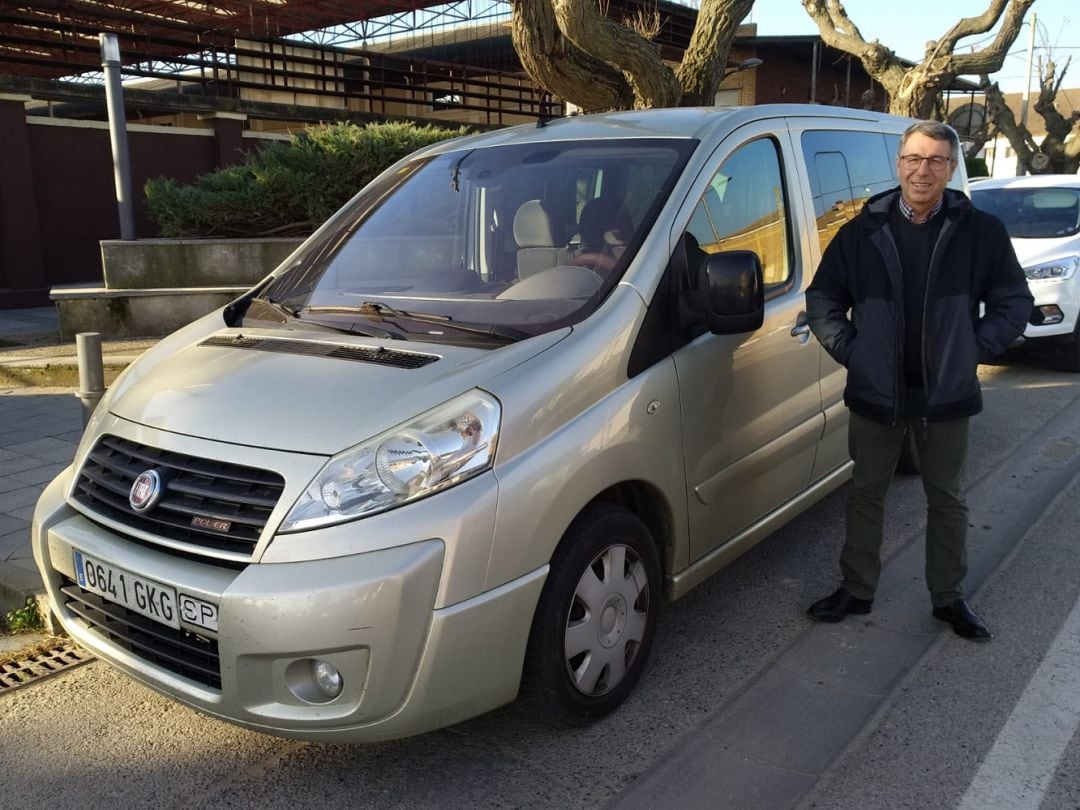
{"points": [[146, 491]]}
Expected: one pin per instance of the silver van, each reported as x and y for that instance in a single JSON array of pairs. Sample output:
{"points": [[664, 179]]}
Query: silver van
{"points": [[465, 442]]}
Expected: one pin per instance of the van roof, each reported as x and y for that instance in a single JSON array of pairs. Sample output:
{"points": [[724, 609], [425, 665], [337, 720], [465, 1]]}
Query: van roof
{"points": [[677, 122]]}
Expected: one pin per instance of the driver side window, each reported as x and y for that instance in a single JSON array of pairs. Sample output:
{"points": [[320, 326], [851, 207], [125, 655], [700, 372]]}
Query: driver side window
{"points": [[744, 209]]}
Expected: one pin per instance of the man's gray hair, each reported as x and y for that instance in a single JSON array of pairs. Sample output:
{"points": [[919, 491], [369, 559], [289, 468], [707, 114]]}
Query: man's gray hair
{"points": [[932, 129]]}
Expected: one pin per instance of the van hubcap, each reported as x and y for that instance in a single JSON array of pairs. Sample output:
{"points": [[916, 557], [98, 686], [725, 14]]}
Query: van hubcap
{"points": [[608, 614]]}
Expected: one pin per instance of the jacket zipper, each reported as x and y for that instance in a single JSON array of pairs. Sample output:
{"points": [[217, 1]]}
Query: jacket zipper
{"points": [[899, 297], [931, 272]]}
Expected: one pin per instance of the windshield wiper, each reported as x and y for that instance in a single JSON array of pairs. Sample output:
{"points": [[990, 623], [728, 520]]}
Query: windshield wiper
{"points": [[383, 311], [351, 329]]}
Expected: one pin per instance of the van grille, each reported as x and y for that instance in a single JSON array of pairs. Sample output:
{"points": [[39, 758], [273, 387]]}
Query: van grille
{"points": [[311, 348], [212, 505], [185, 654]]}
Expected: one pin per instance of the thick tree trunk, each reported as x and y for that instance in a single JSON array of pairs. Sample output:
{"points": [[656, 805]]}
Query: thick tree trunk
{"points": [[652, 82], [913, 91], [562, 69], [572, 50], [1062, 153], [916, 94], [703, 64]]}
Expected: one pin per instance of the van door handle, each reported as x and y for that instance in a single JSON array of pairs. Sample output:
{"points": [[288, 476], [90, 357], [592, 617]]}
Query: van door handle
{"points": [[801, 329]]}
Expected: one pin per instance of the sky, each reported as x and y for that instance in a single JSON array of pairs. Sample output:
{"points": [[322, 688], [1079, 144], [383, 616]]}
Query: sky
{"points": [[906, 26]]}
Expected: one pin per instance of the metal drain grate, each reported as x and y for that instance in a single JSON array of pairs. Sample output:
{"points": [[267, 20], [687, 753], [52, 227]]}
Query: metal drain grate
{"points": [[41, 664]]}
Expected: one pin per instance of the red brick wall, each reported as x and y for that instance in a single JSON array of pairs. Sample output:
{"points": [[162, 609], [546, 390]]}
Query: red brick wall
{"points": [[788, 79]]}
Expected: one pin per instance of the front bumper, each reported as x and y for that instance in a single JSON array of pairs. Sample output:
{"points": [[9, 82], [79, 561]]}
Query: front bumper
{"points": [[409, 664], [1065, 296]]}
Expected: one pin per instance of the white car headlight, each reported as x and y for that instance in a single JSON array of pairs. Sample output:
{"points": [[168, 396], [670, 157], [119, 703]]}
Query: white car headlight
{"points": [[1057, 270], [448, 444]]}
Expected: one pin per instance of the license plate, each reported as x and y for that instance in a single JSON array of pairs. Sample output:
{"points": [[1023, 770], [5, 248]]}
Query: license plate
{"points": [[144, 596]]}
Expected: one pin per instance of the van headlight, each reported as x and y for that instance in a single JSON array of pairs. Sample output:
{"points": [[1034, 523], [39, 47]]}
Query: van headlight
{"points": [[445, 446], [1057, 270]]}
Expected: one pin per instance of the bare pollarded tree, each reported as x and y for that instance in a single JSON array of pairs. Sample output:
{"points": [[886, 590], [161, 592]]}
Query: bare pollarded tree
{"points": [[572, 49], [915, 90], [1058, 153]]}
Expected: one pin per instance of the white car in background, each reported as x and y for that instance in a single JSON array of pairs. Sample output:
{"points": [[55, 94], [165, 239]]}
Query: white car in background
{"points": [[1042, 215]]}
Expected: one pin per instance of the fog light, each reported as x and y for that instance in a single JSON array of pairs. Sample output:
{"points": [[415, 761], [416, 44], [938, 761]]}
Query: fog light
{"points": [[1050, 314], [326, 677]]}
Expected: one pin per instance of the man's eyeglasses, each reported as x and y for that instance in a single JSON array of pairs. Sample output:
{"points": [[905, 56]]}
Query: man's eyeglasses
{"points": [[937, 162]]}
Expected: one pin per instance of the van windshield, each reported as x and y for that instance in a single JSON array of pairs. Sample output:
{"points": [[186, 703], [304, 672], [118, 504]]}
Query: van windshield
{"points": [[1032, 213], [506, 241]]}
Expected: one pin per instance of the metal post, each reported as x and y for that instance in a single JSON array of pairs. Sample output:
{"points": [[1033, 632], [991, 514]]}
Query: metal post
{"points": [[1020, 169], [91, 372], [114, 100], [847, 84]]}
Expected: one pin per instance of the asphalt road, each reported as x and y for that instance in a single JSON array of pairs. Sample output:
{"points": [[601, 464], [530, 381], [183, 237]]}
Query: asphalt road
{"points": [[955, 724]]}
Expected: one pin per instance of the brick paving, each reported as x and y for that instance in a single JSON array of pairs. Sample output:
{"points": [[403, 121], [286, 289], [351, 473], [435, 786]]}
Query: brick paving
{"points": [[39, 431]]}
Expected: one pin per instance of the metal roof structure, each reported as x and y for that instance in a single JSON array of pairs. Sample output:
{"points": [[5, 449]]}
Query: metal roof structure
{"points": [[313, 59], [54, 38]]}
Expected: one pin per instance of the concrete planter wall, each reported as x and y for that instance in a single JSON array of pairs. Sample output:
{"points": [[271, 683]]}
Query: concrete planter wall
{"points": [[154, 286], [169, 263]]}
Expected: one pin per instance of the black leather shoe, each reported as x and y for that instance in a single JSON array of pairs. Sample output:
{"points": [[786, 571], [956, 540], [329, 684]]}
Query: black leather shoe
{"points": [[835, 607], [965, 621]]}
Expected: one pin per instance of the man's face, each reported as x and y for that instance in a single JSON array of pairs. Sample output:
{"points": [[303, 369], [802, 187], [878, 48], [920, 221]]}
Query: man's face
{"points": [[923, 184]]}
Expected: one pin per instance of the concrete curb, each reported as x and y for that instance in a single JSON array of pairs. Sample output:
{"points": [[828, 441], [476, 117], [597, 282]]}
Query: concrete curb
{"points": [[59, 372]]}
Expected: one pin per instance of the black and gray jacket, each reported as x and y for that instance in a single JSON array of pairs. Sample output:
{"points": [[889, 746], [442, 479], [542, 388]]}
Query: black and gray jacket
{"points": [[973, 262]]}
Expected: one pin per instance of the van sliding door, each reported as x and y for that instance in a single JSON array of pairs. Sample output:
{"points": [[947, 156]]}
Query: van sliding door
{"points": [[751, 405]]}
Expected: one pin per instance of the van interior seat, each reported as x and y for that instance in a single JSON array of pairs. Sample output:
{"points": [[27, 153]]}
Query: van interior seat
{"points": [[604, 227], [537, 249]]}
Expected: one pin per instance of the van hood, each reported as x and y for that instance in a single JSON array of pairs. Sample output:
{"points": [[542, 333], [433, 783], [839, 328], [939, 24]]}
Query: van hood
{"points": [[304, 392]]}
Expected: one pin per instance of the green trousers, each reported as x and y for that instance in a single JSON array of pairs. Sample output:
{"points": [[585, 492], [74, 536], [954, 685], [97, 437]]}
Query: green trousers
{"points": [[942, 451]]}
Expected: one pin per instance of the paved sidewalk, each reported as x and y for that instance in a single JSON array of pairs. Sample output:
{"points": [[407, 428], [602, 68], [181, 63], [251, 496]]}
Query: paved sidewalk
{"points": [[40, 428], [39, 431], [20, 324]]}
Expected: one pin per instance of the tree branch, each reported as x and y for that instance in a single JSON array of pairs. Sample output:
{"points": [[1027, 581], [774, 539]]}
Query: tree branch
{"points": [[1062, 151], [840, 20], [1019, 137], [653, 83], [882, 65], [992, 57], [970, 26], [1046, 106], [835, 28], [558, 66], [914, 90]]}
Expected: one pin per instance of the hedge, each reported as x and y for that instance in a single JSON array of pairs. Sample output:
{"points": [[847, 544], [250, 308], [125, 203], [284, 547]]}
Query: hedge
{"points": [[285, 188]]}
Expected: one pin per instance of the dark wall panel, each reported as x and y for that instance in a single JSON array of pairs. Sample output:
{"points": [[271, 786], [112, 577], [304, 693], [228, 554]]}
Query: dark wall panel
{"points": [[76, 196]]}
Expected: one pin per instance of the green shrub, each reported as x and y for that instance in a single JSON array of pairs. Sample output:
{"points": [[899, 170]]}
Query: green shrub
{"points": [[976, 167], [286, 188]]}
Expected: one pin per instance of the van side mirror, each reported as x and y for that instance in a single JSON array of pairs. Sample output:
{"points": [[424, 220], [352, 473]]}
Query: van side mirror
{"points": [[728, 292]]}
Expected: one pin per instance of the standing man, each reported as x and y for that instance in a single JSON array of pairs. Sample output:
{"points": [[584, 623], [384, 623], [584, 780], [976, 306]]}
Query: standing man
{"points": [[896, 301]]}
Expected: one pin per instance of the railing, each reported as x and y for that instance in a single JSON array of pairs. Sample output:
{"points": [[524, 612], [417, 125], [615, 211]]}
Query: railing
{"points": [[286, 71]]}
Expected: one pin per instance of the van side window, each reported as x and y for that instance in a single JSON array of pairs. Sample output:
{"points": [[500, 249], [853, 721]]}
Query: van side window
{"points": [[744, 209], [846, 169]]}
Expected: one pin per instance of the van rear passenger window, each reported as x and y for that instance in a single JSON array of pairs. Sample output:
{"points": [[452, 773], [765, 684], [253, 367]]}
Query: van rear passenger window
{"points": [[846, 169], [744, 208]]}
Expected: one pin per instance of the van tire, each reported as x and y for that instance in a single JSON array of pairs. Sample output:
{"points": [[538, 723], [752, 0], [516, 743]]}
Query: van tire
{"points": [[615, 610], [1071, 353]]}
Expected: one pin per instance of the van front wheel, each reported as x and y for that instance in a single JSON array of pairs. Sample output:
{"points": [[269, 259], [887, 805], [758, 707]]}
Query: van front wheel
{"points": [[595, 620]]}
